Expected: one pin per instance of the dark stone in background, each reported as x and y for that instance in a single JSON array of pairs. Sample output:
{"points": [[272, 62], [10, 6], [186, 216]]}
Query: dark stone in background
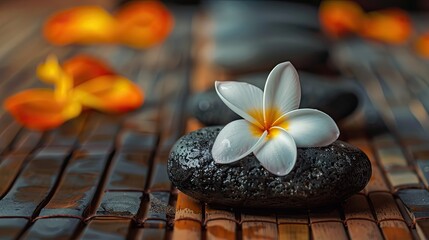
{"points": [[336, 98], [322, 176], [253, 36]]}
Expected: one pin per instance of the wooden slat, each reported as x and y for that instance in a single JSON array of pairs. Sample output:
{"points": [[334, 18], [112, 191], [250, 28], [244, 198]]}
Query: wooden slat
{"points": [[385, 140], [363, 229], [256, 224], [26, 141], [376, 182], [188, 218], [294, 231], [357, 207], [77, 186], [7, 135], [53, 228], [325, 215], [107, 229], [220, 224], [119, 204], [416, 201], [129, 171], [9, 168], [221, 229], [422, 227], [259, 230], [328, 231], [422, 168], [284, 217], [158, 210], [67, 135], [403, 179], [150, 233], [391, 157], [132, 140], [385, 207], [34, 183], [186, 229], [188, 208], [10, 228], [159, 180], [393, 229]]}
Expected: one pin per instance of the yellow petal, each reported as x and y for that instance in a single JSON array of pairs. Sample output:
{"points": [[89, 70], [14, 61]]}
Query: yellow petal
{"points": [[50, 71], [83, 25]]}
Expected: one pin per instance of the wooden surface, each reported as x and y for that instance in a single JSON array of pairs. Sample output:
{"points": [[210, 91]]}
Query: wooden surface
{"points": [[104, 177]]}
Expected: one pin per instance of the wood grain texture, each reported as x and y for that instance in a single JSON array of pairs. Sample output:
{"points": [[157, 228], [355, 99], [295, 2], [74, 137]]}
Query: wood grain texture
{"points": [[106, 228], [9, 168], [293, 231], [259, 230], [357, 207], [393, 229], [363, 229], [327, 230], [385, 207], [221, 229]]}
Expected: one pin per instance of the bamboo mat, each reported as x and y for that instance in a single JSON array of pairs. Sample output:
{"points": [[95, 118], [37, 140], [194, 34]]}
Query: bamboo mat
{"points": [[104, 177]]}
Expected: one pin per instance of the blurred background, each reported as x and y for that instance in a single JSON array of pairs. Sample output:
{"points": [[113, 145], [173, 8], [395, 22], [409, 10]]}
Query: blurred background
{"points": [[363, 62]]}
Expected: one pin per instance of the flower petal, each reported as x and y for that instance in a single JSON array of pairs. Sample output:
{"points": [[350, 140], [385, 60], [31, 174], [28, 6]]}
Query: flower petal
{"points": [[242, 98], [390, 26], [84, 67], [311, 128], [143, 23], [340, 18], [282, 92], [114, 94], [278, 152], [84, 24], [39, 109], [235, 141]]}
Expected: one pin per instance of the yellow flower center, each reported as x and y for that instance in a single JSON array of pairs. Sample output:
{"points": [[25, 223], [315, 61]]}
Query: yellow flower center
{"points": [[272, 119]]}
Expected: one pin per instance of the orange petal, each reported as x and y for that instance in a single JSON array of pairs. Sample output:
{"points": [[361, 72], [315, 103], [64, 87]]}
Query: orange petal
{"points": [[113, 94], [143, 24], [84, 67], [422, 45], [390, 26], [85, 24], [340, 18], [39, 109]]}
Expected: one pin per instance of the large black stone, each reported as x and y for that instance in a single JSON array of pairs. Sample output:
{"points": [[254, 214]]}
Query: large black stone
{"points": [[322, 176], [335, 98]]}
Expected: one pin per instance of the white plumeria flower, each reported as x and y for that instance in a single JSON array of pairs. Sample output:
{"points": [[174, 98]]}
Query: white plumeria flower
{"points": [[273, 126]]}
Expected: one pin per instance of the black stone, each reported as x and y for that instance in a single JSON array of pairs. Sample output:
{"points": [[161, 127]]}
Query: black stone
{"points": [[253, 36], [322, 176], [335, 98], [306, 50]]}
